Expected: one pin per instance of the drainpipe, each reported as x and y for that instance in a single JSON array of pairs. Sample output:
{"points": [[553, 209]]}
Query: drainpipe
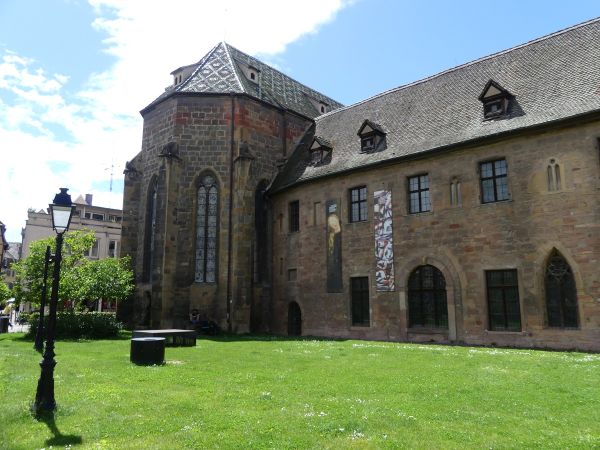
{"points": [[230, 227]]}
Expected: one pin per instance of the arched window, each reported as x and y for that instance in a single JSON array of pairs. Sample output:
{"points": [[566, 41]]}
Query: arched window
{"points": [[261, 254], [427, 298], [554, 181], [207, 229], [561, 295], [150, 230]]}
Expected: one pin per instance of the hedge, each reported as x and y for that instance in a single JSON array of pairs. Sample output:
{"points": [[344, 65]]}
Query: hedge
{"points": [[79, 325]]}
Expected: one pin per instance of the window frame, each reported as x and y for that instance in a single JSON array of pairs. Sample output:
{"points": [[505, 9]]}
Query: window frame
{"points": [[294, 216], [362, 212], [419, 192], [203, 278], [503, 288], [360, 302], [438, 290], [495, 181], [567, 287]]}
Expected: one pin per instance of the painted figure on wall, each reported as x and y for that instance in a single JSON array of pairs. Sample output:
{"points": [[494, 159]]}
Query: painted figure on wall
{"points": [[334, 248], [384, 245]]}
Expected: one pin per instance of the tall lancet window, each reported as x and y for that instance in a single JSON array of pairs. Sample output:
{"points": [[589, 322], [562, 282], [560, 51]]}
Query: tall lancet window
{"points": [[561, 294], [207, 229], [150, 231]]}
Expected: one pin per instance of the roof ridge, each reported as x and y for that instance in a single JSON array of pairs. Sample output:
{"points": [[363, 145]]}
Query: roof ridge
{"points": [[233, 66], [460, 66], [199, 65]]}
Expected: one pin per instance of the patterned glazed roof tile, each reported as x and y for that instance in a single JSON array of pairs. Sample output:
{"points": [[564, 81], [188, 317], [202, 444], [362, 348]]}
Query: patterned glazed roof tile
{"points": [[221, 71]]}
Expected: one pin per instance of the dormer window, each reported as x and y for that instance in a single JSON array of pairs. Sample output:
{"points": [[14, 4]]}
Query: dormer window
{"points": [[252, 73], [372, 136], [319, 150], [495, 101]]}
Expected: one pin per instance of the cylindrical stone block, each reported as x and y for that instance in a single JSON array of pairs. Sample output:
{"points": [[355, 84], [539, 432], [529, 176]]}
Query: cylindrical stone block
{"points": [[147, 351]]}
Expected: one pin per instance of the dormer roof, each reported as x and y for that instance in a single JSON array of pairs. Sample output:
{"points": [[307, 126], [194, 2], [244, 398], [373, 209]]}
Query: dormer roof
{"points": [[493, 90], [319, 142], [223, 71], [368, 127]]}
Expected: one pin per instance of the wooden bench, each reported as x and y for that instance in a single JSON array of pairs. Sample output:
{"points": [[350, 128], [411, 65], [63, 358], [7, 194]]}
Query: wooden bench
{"points": [[173, 337]]}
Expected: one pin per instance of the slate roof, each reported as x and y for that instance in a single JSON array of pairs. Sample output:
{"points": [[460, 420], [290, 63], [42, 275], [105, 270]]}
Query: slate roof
{"points": [[221, 71], [552, 78]]}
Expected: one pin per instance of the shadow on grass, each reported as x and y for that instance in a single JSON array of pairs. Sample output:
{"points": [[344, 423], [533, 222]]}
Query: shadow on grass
{"points": [[57, 437]]}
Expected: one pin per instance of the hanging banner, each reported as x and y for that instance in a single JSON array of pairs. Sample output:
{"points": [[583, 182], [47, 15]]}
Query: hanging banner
{"points": [[334, 247], [384, 245]]}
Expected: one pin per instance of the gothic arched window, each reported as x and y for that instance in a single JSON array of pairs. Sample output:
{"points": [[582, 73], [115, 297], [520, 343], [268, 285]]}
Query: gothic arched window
{"points": [[207, 229], [150, 231], [554, 179], [561, 295], [427, 298]]}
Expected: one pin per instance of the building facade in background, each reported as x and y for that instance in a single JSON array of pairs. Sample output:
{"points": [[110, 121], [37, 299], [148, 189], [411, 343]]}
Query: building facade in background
{"points": [[460, 208], [104, 222]]}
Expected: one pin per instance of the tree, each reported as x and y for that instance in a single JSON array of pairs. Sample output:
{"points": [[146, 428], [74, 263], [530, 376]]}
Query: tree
{"points": [[29, 272], [5, 292], [109, 279]]}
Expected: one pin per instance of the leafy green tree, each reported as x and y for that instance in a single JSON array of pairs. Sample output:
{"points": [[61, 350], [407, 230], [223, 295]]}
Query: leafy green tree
{"points": [[29, 272], [109, 279], [5, 292]]}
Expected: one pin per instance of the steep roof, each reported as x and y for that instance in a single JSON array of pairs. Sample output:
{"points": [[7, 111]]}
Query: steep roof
{"points": [[222, 71], [552, 78]]}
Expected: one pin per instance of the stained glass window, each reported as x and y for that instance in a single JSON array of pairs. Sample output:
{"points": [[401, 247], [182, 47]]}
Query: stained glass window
{"points": [[206, 230]]}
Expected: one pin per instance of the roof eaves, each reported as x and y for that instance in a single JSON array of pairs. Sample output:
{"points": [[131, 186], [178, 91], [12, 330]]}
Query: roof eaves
{"points": [[566, 121]]}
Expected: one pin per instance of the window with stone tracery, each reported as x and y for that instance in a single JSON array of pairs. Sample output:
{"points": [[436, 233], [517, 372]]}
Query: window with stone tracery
{"points": [[207, 230], [561, 295]]}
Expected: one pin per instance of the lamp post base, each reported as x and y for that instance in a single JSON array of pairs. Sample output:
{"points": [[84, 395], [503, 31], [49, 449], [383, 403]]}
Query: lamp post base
{"points": [[44, 397]]}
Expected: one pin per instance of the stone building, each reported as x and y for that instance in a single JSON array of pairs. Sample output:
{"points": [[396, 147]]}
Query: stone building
{"points": [[460, 208], [104, 222]]}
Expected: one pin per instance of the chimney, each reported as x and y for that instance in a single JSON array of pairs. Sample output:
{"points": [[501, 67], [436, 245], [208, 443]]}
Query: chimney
{"points": [[88, 199]]}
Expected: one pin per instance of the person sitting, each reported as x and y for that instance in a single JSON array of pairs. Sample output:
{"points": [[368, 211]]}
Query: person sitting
{"points": [[195, 317]]}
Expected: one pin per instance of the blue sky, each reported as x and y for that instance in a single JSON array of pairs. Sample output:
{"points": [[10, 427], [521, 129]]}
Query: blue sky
{"points": [[75, 73]]}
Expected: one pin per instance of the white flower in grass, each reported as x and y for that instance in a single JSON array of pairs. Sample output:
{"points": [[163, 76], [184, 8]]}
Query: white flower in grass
{"points": [[322, 414], [356, 435]]}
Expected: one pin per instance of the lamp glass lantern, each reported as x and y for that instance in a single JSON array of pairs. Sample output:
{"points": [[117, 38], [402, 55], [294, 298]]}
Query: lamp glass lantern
{"points": [[62, 211]]}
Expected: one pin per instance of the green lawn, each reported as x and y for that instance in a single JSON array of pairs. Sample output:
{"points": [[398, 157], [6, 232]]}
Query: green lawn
{"points": [[255, 392]]}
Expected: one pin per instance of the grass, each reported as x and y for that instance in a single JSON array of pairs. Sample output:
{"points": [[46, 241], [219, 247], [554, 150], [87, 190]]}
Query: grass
{"points": [[259, 392]]}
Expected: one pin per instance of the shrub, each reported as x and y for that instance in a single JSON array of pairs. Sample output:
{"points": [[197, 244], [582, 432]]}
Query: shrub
{"points": [[80, 325]]}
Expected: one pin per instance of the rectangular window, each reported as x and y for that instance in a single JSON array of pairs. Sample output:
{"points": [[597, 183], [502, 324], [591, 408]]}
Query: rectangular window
{"points": [[97, 216], [358, 204], [294, 216], [292, 274], [318, 214], [87, 215], [360, 301], [93, 251], [503, 300], [418, 194], [494, 181], [112, 249]]}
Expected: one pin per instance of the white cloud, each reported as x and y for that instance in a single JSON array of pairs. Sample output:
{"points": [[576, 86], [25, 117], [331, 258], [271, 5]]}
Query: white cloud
{"points": [[103, 127]]}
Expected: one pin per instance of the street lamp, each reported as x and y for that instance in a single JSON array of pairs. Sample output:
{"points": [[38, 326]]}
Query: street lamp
{"points": [[61, 211]]}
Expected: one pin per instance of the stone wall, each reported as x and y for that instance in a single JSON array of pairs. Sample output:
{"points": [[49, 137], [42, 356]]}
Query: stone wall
{"points": [[215, 134], [462, 240]]}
